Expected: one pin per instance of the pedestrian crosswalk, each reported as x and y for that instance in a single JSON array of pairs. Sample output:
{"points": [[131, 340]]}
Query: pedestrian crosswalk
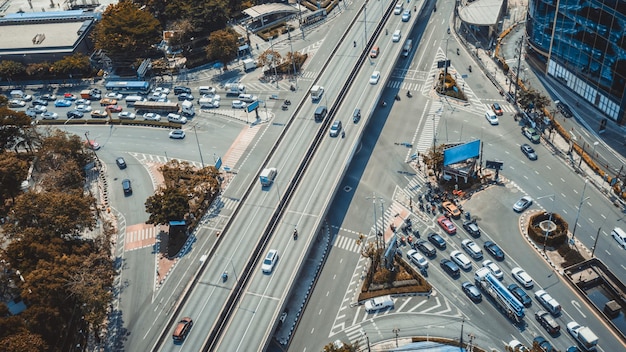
{"points": [[347, 243], [239, 146], [268, 88], [140, 236], [160, 159], [404, 85], [427, 137]]}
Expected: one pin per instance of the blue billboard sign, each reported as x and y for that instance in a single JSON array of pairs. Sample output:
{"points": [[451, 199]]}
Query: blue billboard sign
{"points": [[461, 152], [252, 106]]}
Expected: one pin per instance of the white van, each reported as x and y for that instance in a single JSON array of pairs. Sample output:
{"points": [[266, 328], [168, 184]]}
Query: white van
{"points": [[620, 236], [408, 45], [248, 98], [267, 176], [378, 303], [132, 99], [548, 302], [206, 90]]}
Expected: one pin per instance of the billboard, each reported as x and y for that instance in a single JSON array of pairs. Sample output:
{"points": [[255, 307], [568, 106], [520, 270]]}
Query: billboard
{"points": [[461, 152]]}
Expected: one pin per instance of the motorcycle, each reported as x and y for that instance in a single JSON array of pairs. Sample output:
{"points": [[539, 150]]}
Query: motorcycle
{"points": [[397, 97], [383, 103], [470, 68], [355, 43], [284, 107], [287, 102], [295, 234], [408, 93], [293, 88], [434, 9], [458, 51], [224, 276]]}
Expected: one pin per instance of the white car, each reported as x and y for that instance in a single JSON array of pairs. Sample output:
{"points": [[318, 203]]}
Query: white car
{"points": [[522, 277], [406, 15], [238, 104], [522, 204], [162, 90], [126, 115], [113, 95], [461, 260], [270, 261], [375, 77], [395, 37], [177, 134], [176, 118], [150, 116], [472, 249], [494, 268], [83, 108], [398, 9], [157, 97], [82, 102], [517, 346], [49, 115], [16, 103], [491, 117], [417, 258], [38, 109]]}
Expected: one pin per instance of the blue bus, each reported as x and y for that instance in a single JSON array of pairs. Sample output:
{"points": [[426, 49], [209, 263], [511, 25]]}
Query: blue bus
{"points": [[128, 87]]}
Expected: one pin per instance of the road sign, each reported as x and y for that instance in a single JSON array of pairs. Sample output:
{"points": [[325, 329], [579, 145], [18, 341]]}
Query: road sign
{"points": [[218, 163], [252, 106]]}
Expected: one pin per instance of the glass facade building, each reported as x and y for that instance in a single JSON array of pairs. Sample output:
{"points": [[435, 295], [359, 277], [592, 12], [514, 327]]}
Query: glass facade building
{"points": [[583, 45]]}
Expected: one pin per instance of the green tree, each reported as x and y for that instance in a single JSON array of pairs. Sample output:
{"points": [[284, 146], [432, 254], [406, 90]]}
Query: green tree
{"points": [[434, 159], [167, 204], [126, 31], [11, 69], [77, 63], [223, 46]]}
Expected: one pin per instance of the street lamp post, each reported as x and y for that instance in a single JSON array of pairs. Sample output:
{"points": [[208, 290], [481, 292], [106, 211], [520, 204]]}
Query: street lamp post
{"points": [[545, 239], [367, 340], [199, 150], [580, 205]]}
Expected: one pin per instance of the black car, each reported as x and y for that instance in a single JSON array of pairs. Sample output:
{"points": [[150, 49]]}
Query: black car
{"points": [[472, 291], [39, 102], [472, 228], [494, 250], [564, 109], [450, 267], [520, 294], [121, 163], [181, 89], [437, 240], [528, 151], [543, 344], [127, 187], [185, 96], [545, 319], [75, 114], [426, 248], [356, 115]]}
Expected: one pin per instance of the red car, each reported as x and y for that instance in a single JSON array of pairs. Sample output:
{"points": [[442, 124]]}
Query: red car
{"points": [[446, 225], [69, 96], [114, 108]]}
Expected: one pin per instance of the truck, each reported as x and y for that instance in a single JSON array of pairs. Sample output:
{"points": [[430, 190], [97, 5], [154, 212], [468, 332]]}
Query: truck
{"points": [[379, 303], [317, 92], [163, 108], [249, 64], [187, 108], [502, 298], [267, 176], [235, 89], [90, 94], [585, 337]]}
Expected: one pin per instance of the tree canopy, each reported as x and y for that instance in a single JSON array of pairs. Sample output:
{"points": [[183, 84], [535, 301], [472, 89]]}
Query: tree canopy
{"points": [[223, 46]]}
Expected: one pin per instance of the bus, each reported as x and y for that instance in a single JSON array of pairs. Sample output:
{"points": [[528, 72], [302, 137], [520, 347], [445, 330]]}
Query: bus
{"points": [[159, 107], [128, 87]]}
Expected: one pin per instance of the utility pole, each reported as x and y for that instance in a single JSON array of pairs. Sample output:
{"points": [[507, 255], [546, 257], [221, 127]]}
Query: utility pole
{"points": [[580, 205], [396, 331], [293, 59], [595, 242], [519, 63]]}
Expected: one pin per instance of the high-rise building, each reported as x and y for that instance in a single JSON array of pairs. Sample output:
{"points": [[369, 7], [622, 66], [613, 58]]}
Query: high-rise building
{"points": [[582, 43]]}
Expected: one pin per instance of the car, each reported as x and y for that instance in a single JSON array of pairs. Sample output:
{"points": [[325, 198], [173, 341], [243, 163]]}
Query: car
{"points": [[49, 115], [471, 227], [494, 250], [522, 204], [491, 118], [472, 291], [126, 115], [82, 102], [157, 97], [375, 77], [270, 261], [426, 248], [528, 151], [75, 114], [522, 277], [114, 96], [520, 294], [181, 89], [545, 319], [108, 101], [39, 102], [417, 259], [374, 52], [62, 103], [69, 96], [531, 134], [472, 249], [16, 103], [99, 114], [573, 349], [446, 225], [450, 267], [48, 97], [176, 118], [177, 134], [162, 90], [93, 145], [38, 109], [494, 268], [406, 15], [395, 37], [452, 209], [185, 96], [516, 346], [497, 109], [238, 104], [335, 128], [182, 329], [437, 240], [126, 186], [543, 344], [572, 328], [461, 260], [563, 108], [398, 8], [83, 108], [114, 108], [121, 163], [151, 116], [31, 113]]}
